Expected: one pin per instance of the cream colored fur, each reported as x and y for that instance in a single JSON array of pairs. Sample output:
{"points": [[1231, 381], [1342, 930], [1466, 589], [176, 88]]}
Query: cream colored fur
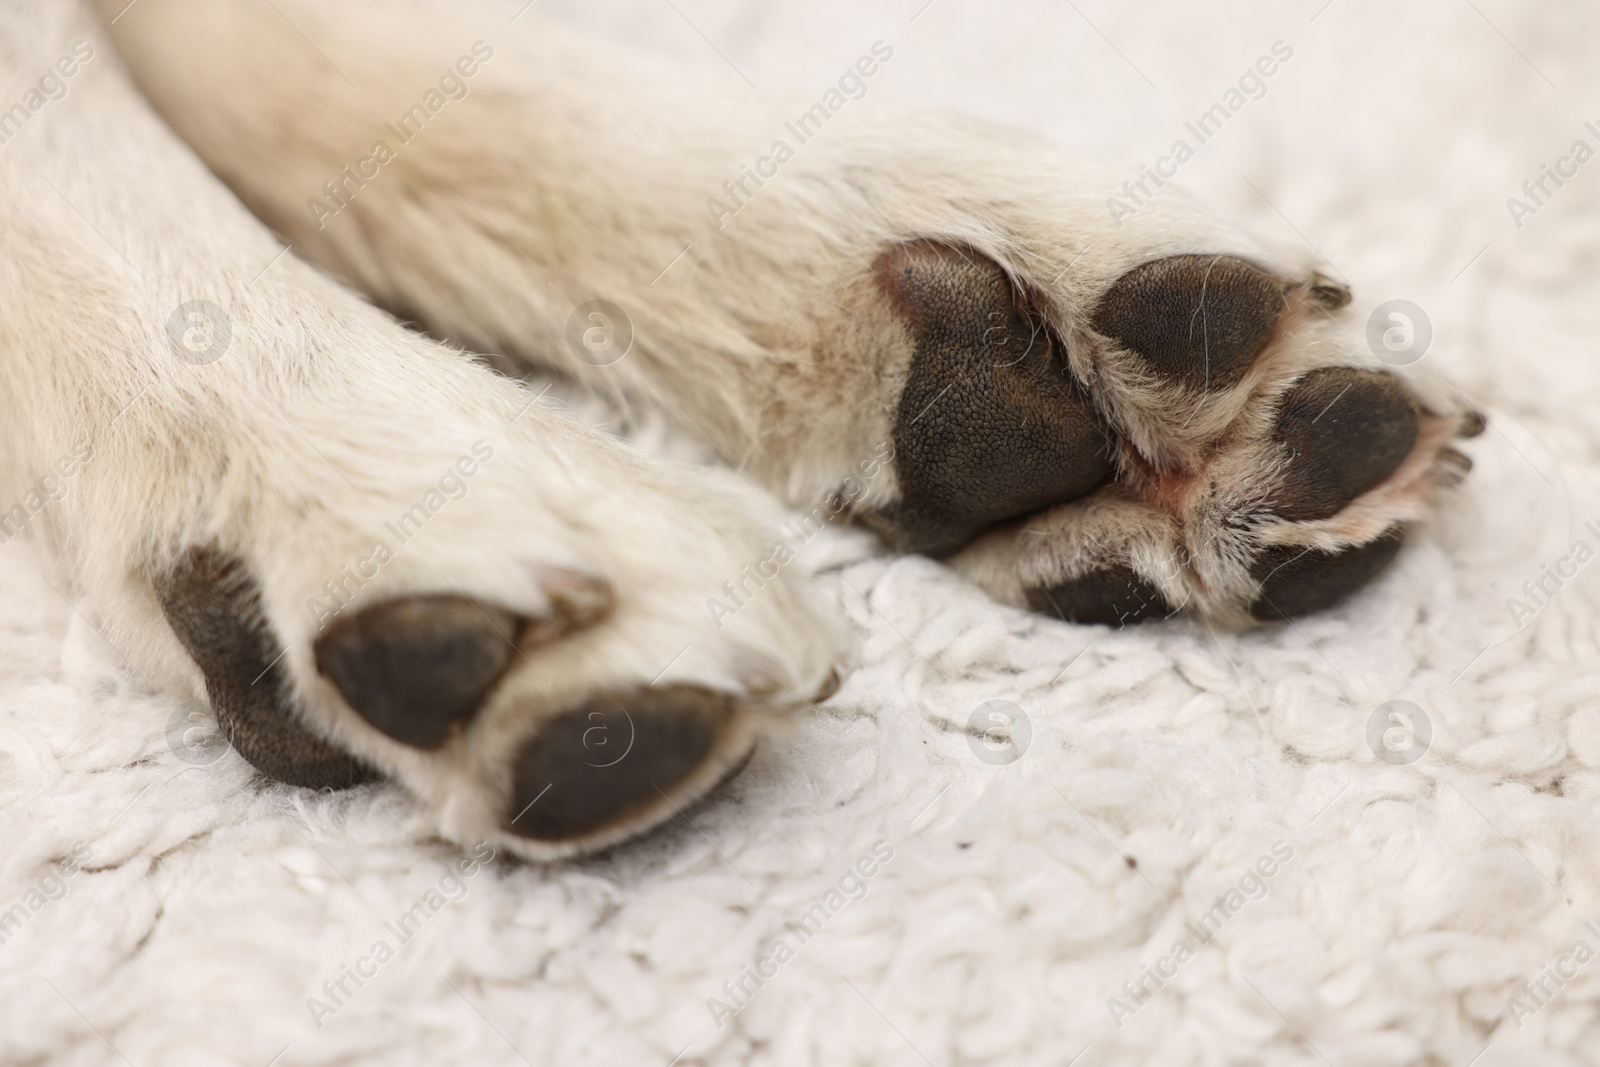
{"points": [[321, 422], [540, 175], [573, 170]]}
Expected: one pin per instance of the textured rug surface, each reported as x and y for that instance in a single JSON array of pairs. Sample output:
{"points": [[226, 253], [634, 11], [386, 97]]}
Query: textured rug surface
{"points": [[1193, 848]]}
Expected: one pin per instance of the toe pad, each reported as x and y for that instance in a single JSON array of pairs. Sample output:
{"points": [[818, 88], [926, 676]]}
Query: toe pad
{"points": [[1297, 581], [1199, 321], [1344, 432], [417, 666], [1112, 596], [606, 763]]}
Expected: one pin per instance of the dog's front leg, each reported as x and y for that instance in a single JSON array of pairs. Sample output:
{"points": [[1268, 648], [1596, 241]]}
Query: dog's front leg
{"points": [[373, 555]]}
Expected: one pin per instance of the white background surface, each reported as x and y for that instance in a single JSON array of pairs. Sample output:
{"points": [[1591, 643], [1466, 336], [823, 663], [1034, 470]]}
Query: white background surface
{"points": [[1418, 897]]}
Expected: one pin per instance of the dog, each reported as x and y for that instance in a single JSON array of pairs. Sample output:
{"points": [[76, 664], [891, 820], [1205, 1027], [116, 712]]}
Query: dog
{"points": [[378, 557]]}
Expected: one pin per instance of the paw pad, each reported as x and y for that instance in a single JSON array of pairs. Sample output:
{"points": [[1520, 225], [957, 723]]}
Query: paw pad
{"points": [[1296, 580], [1198, 321], [990, 425], [416, 667], [1344, 432], [1229, 419], [213, 605], [660, 744], [1111, 596]]}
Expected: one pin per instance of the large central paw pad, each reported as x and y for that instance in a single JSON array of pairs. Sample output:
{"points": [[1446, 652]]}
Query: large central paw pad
{"points": [[990, 426], [1200, 436], [214, 606]]}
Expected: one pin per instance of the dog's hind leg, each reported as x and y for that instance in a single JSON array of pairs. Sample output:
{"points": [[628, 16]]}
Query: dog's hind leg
{"points": [[1102, 411]]}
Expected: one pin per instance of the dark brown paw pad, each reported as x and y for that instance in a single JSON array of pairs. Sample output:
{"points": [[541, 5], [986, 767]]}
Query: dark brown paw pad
{"points": [[990, 425], [213, 604], [615, 765], [1196, 320], [1296, 580], [1343, 432], [1112, 596], [417, 667]]}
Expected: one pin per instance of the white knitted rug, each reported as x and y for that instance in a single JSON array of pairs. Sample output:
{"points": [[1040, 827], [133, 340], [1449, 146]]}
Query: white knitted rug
{"points": [[1189, 852]]}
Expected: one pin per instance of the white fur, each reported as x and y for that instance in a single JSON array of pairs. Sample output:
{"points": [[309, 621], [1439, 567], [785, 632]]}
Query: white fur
{"points": [[322, 422], [1419, 897], [560, 177]]}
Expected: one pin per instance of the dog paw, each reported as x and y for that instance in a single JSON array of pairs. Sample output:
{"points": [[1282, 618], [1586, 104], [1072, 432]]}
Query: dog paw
{"points": [[480, 599], [1197, 435], [1104, 414], [374, 557], [553, 707]]}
